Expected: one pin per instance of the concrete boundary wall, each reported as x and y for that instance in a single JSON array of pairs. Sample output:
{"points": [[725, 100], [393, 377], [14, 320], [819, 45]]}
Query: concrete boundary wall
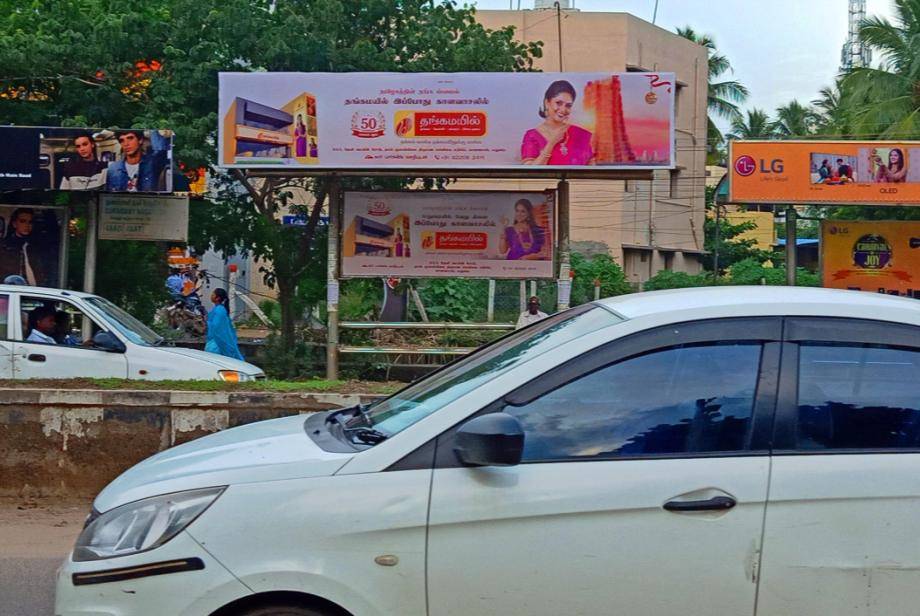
{"points": [[74, 442]]}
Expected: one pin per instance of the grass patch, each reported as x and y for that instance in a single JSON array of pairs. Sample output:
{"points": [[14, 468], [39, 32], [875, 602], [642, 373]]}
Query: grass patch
{"points": [[311, 385]]}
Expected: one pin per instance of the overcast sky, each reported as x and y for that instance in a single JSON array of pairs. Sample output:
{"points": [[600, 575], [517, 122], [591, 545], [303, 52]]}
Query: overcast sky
{"points": [[781, 50]]}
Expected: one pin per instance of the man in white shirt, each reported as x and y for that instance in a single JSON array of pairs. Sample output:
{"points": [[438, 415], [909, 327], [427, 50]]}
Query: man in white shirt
{"points": [[532, 314], [43, 325]]}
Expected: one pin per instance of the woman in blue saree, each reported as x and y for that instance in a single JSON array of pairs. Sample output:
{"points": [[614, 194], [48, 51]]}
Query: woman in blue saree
{"points": [[221, 335]]}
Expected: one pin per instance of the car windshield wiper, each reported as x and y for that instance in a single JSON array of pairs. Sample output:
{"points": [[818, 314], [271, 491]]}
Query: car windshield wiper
{"points": [[368, 436]]}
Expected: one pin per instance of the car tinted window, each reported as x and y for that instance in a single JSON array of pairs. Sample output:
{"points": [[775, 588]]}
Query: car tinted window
{"points": [[858, 397], [678, 400]]}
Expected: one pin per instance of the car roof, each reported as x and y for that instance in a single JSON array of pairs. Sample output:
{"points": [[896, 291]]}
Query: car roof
{"points": [[735, 301], [21, 288]]}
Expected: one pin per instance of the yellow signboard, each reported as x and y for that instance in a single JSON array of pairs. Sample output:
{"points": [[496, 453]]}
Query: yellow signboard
{"points": [[881, 256]]}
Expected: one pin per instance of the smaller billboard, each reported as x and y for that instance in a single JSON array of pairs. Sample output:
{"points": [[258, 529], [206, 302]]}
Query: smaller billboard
{"points": [[51, 158], [448, 234], [143, 217], [825, 172], [30, 244], [879, 256]]}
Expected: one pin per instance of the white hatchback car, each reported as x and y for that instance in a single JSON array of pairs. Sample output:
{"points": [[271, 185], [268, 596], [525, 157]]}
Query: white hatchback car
{"points": [[117, 345], [703, 451]]}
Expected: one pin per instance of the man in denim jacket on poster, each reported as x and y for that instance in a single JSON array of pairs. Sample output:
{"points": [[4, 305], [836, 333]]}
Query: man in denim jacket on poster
{"points": [[140, 171]]}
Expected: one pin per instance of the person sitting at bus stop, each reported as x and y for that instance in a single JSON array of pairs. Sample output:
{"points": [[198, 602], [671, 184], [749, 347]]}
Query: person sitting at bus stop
{"points": [[532, 314], [42, 325]]}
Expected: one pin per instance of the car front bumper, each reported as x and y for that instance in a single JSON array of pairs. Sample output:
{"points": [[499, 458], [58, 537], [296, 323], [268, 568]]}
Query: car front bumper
{"points": [[146, 589]]}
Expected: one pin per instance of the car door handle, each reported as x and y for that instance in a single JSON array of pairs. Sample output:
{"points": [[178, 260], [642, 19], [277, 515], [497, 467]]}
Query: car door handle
{"points": [[35, 357], [716, 503]]}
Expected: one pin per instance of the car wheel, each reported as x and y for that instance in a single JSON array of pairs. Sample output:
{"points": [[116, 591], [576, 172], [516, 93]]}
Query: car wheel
{"points": [[282, 610]]}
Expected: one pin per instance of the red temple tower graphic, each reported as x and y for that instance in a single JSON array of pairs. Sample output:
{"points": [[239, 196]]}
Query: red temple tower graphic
{"points": [[610, 142]]}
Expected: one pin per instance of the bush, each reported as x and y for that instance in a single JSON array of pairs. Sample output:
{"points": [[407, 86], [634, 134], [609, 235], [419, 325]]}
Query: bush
{"points": [[597, 267], [751, 271], [302, 360], [667, 279], [455, 299]]}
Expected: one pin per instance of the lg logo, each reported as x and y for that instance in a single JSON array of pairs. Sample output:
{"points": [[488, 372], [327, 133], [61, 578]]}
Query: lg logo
{"points": [[746, 165]]}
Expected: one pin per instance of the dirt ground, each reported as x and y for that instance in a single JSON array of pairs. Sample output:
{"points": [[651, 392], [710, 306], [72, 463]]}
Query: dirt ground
{"points": [[40, 528]]}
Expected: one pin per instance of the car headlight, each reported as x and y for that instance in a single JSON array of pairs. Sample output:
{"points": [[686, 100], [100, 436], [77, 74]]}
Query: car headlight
{"points": [[233, 376], [142, 525]]}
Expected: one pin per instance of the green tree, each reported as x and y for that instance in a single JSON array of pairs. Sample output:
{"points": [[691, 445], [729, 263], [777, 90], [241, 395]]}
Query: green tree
{"points": [[724, 94], [730, 247], [756, 125], [795, 120], [77, 63], [599, 267], [829, 111], [884, 101]]}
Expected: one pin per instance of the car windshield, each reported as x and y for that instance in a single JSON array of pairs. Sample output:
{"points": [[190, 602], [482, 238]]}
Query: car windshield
{"points": [[419, 400], [131, 328]]}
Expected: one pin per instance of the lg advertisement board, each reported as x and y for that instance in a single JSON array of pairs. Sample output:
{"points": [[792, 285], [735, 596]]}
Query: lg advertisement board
{"points": [[825, 172], [50, 158], [447, 120]]}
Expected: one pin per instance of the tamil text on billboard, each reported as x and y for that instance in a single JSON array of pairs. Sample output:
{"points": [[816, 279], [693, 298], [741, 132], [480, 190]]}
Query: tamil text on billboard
{"points": [[828, 172], [448, 233], [447, 120], [878, 256], [130, 160]]}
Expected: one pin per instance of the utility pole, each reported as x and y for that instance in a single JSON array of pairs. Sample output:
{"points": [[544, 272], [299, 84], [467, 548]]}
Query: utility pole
{"points": [[715, 250], [559, 30]]}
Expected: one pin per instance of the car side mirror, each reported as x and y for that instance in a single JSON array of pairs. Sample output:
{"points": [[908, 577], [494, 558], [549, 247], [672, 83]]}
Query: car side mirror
{"points": [[496, 439], [105, 341]]}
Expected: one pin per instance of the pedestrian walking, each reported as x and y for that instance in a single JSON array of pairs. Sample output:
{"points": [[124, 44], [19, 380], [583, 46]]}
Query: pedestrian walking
{"points": [[221, 338]]}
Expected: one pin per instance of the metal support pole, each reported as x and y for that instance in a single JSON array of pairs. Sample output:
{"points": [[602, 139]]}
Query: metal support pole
{"points": [[89, 263], [715, 250], [490, 317], [92, 228], [564, 283], [332, 281], [63, 257], [522, 296], [790, 245], [533, 288]]}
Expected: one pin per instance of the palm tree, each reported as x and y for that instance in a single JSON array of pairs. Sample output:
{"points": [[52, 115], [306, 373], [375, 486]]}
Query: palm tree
{"points": [[885, 101], [795, 120], [827, 107], [724, 95], [757, 125]]}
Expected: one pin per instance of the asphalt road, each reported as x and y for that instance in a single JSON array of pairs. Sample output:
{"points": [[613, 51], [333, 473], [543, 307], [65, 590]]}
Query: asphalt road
{"points": [[35, 536]]}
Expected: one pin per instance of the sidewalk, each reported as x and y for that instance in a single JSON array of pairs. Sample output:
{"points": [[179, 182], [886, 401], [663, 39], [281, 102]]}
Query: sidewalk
{"points": [[35, 536]]}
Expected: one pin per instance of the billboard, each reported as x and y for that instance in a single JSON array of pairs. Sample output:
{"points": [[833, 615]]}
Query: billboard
{"points": [[130, 160], [880, 256], [30, 244], [143, 217], [447, 120], [825, 172], [447, 234]]}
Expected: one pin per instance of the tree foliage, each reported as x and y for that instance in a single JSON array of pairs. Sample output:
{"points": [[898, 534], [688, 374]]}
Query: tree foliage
{"points": [[155, 63]]}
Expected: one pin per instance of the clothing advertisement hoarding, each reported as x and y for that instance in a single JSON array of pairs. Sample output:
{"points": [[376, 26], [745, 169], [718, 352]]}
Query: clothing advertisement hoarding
{"points": [[825, 172], [142, 217], [447, 120], [448, 233], [31, 244], [879, 256], [49, 158]]}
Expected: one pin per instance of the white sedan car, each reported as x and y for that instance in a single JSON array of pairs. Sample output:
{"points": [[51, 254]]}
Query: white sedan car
{"points": [[96, 339], [703, 451]]}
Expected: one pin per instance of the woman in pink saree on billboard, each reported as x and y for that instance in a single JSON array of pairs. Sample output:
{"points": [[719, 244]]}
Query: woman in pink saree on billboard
{"points": [[557, 141], [895, 171], [524, 238]]}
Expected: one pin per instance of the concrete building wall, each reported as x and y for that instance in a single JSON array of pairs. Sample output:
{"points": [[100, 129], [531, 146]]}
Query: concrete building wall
{"points": [[665, 214]]}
